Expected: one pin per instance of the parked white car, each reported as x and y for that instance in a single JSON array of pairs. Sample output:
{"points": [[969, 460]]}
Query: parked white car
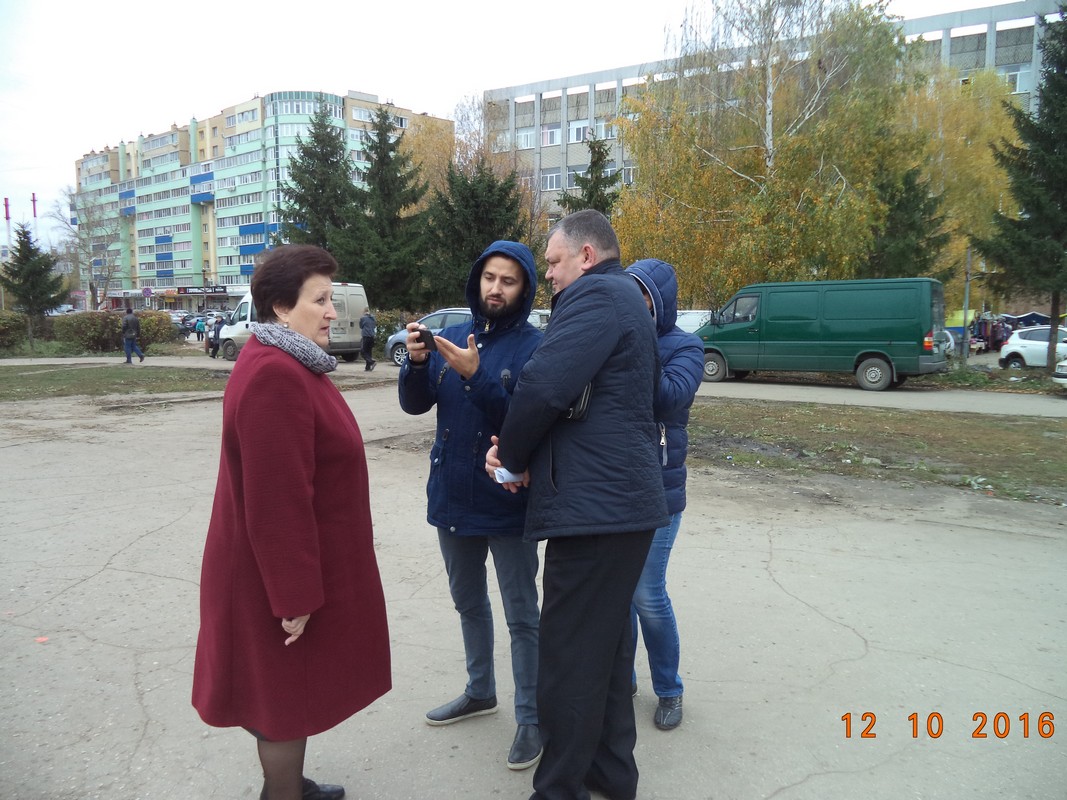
{"points": [[1028, 347], [1060, 375]]}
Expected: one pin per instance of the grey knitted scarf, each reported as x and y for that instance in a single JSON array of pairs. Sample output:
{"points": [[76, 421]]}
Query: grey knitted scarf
{"points": [[295, 344]]}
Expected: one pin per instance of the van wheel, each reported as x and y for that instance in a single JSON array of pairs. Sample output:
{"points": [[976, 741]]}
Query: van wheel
{"points": [[714, 367], [229, 350], [874, 374], [350, 357], [398, 354]]}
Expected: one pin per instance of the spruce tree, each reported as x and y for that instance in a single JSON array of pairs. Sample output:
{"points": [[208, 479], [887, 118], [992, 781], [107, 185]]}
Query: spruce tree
{"points": [[319, 195], [386, 236], [909, 241], [596, 189], [1030, 250], [476, 209], [29, 276]]}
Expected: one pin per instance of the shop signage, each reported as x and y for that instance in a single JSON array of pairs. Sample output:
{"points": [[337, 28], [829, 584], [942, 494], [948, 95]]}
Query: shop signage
{"points": [[201, 290]]}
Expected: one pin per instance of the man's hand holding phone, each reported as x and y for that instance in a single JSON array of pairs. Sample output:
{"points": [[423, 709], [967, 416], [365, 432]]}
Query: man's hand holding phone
{"points": [[419, 342]]}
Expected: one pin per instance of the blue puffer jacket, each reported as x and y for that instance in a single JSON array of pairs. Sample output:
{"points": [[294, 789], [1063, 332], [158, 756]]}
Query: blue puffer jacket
{"points": [[462, 497], [681, 359], [601, 473]]}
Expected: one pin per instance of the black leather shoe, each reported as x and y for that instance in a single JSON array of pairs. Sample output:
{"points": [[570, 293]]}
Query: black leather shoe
{"points": [[315, 791], [668, 714], [526, 749], [461, 708]]}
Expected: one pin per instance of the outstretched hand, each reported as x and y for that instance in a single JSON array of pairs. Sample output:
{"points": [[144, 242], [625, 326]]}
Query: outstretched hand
{"points": [[464, 360]]}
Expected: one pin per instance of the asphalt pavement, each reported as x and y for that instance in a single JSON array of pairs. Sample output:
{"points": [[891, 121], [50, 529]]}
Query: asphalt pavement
{"points": [[841, 639]]}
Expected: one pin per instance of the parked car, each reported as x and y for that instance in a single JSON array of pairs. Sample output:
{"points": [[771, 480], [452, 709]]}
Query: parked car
{"points": [[396, 345], [1060, 375], [177, 319], [690, 321], [1028, 347], [539, 318]]}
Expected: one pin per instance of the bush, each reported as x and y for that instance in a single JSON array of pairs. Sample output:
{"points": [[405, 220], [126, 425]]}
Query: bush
{"points": [[93, 331], [12, 328], [101, 331], [157, 328]]}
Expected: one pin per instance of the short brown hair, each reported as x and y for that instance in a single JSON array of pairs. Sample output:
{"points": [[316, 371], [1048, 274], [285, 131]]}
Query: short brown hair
{"points": [[278, 278]]}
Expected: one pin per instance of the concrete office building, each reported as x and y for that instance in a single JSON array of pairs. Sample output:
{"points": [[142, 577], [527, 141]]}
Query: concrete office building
{"points": [[183, 214], [545, 124]]}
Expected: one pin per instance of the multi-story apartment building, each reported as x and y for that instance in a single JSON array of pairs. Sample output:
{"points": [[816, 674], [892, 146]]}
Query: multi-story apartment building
{"points": [[544, 124], [175, 220]]}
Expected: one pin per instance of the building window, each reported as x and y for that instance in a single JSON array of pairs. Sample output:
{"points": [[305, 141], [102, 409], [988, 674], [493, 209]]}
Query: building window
{"points": [[524, 139], [550, 134], [579, 131], [573, 175], [551, 181], [604, 129]]}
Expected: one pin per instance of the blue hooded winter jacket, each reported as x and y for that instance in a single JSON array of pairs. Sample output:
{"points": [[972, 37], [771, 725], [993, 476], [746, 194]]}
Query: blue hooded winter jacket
{"points": [[462, 497], [681, 357]]}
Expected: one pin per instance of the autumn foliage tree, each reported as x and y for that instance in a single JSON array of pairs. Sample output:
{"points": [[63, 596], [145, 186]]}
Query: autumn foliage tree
{"points": [[757, 160]]}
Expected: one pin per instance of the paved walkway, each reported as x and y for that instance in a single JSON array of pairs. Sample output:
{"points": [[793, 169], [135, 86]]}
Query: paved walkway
{"points": [[806, 605]]}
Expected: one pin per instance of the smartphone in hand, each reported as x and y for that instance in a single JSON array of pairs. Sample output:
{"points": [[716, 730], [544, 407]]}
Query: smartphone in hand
{"points": [[426, 337]]}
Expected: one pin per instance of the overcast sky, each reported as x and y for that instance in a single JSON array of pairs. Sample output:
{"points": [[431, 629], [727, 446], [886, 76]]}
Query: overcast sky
{"points": [[81, 76]]}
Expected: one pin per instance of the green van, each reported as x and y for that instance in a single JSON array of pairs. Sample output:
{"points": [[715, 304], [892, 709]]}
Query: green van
{"points": [[882, 331]]}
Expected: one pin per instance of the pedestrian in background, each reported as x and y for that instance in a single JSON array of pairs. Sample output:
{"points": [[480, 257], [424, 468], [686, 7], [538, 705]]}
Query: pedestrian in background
{"points": [[469, 375], [293, 634], [199, 328], [581, 433], [216, 331], [681, 360], [367, 329], [131, 330]]}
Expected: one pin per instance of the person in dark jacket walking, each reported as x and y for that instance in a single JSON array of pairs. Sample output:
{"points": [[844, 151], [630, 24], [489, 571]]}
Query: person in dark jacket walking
{"points": [[681, 358], [368, 326], [131, 329], [470, 377], [216, 331], [581, 434]]}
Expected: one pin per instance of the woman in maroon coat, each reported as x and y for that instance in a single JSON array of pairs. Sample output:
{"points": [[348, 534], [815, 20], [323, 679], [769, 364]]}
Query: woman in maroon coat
{"points": [[293, 634]]}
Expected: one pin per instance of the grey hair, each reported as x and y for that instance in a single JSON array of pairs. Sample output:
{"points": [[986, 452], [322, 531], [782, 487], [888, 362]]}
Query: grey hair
{"points": [[588, 226]]}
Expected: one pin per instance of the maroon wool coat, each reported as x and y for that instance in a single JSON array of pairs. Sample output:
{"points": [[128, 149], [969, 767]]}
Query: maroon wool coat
{"points": [[290, 534]]}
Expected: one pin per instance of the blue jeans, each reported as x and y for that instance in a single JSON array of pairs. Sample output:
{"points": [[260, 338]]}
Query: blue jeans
{"points": [[516, 573], [130, 346], [653, 607]]}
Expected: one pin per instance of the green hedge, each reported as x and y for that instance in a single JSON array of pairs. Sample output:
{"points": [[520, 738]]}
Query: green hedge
{"points": [[12, 328], [101, 331]]}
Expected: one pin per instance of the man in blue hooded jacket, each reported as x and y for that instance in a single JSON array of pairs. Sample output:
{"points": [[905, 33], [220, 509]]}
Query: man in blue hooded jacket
{"points": [[681, 359], [470, 376]]}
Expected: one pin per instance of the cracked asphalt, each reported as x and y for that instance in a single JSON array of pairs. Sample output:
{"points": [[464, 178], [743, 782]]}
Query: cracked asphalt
{"points": [[812, 610]]}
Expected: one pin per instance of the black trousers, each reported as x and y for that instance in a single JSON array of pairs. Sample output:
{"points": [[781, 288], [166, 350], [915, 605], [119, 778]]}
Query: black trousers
{"points": [[366, 349], [585, 666]]}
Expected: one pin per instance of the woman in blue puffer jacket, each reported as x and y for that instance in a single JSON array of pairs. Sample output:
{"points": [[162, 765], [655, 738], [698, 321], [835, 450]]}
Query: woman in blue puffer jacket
{"points": [[681, 368]]}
